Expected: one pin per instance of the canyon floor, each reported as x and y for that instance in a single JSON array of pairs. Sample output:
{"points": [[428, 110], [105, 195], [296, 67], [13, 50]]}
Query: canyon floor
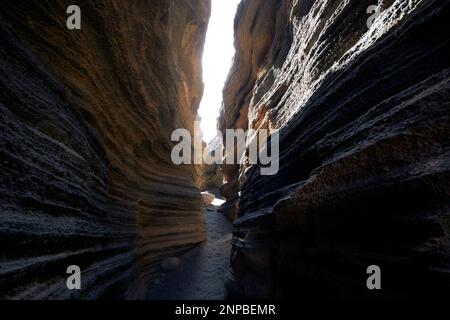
{"points": [[202, 270]]}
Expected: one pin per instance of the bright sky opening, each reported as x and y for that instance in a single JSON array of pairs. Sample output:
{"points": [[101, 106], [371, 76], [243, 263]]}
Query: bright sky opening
{"points": [[217, 58]]}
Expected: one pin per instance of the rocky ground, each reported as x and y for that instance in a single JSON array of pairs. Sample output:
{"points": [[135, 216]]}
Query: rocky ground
{"points": [[201, 273]]}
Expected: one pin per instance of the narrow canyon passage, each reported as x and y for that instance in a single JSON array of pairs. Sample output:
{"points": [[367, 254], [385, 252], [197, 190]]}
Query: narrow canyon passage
{"points": [[202, 270], [201, 273], [356, 93]]}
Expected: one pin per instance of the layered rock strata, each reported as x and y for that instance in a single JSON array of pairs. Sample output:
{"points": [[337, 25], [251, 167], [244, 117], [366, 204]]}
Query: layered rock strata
{"points": [[212, 175], [363, 115], [86, 176]]}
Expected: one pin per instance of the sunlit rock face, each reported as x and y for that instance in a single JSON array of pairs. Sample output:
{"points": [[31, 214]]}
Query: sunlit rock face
{"points": [[212, 175], [363, 116], [86, 176]]}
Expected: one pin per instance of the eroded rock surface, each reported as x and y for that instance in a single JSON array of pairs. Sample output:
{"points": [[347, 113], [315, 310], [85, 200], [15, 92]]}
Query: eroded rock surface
{"points": [[363, 115], [86, 118], [212, 175]]}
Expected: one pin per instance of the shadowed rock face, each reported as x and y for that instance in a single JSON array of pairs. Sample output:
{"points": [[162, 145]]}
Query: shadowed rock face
{"points": [[86, 118], [363, 116]]}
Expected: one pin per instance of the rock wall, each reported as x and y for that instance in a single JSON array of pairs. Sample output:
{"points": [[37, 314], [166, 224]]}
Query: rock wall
{"points": [[212, 175], [86, 117], [363, 116]]}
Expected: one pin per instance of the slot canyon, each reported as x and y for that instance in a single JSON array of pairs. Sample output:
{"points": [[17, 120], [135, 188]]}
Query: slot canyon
{"points": [[87, 179]]}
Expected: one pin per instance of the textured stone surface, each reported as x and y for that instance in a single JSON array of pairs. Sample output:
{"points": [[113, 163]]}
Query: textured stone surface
{"points": [[170, 264], [86, 118], [212, 175], [207, 198], [363, 116]]}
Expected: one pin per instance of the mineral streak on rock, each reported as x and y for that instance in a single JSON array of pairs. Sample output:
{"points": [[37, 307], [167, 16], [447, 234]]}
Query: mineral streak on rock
{"points": [[86, 118], [363, 116]]}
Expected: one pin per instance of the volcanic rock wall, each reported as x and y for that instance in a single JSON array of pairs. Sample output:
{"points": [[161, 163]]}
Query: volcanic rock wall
{"points": [[363, 115], [212, 175], [86, 118]]}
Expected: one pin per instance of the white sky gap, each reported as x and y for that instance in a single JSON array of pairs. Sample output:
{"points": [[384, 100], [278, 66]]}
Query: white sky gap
{"points": [[217, 59]]}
